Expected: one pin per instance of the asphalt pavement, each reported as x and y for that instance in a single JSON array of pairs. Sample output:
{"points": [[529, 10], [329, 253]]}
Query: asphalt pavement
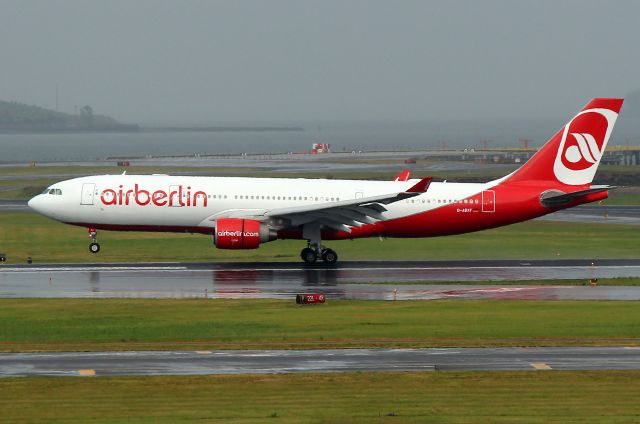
{"points": [[379, 280], [148, 363]]}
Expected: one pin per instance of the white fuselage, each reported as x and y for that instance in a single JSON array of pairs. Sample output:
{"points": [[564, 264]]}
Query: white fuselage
{"points": [[182, 201]]}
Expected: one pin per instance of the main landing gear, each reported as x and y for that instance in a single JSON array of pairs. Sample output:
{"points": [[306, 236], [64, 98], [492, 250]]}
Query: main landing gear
{"points": [[310, 255], [314, 249], [94, 247]]}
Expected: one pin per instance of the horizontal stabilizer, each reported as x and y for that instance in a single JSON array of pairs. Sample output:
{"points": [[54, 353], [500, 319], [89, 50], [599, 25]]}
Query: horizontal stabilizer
{"points": [[555, 198]]}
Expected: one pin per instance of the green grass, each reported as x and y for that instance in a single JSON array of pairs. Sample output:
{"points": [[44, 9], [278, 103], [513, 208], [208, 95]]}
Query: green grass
{"points": [[24, 234], [129, 324], [623, 199], [439, 397]]}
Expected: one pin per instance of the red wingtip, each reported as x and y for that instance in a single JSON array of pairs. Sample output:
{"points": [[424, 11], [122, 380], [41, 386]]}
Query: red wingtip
{"points": [[421, 186]]}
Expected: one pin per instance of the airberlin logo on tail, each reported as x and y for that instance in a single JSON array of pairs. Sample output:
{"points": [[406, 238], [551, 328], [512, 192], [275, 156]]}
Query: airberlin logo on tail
{"points": [[582, 145], [583, 154]]}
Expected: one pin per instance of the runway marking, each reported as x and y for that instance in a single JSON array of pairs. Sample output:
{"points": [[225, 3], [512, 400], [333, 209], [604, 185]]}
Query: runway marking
{"points": [[540, 366], [87, 373], [203, 352]]}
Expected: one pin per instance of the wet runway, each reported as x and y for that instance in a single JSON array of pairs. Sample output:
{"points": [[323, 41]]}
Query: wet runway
{"points": [[599, 214], [345, 280], [13, 205], [145, 363]]}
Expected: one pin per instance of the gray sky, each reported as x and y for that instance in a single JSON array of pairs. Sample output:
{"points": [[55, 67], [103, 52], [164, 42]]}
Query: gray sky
{"points": [[206, 61]]}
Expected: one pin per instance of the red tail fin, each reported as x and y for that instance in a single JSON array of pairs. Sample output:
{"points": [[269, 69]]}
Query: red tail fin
{"points": [[403, 175], [571, 157]]}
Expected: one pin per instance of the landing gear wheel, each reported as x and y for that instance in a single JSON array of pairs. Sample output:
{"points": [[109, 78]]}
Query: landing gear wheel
{"points": [[329, 256], [94, 248], [309, 255]]}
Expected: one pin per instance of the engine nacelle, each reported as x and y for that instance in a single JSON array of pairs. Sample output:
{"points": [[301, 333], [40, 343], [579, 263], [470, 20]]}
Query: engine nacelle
{"points": [[237, 233]]}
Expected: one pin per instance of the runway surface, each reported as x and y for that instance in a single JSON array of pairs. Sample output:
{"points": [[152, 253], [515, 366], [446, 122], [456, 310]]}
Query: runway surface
{"points": [[13, 205], [345, 280], [600, 214], [332, 360]]}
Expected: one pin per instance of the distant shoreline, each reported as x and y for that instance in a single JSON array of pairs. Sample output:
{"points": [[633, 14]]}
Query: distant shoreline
{"points": [[221, 129], [137, 129]]}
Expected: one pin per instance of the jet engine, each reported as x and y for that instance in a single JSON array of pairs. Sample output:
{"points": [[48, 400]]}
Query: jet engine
{"points": [[237, 233]]}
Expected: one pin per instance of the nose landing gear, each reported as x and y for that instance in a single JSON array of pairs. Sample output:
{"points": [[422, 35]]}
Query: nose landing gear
{"points": [[94, 247]]}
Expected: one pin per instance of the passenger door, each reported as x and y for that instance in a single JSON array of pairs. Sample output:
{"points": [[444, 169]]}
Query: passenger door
{"points": [[175, 200], [88, 190]]}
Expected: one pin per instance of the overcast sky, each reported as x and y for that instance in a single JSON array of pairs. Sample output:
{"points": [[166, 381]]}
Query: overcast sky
{"points": [[206, 61]]}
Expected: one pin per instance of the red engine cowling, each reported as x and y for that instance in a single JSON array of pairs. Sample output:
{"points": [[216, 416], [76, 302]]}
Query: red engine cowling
{"points": [[237, 233]]}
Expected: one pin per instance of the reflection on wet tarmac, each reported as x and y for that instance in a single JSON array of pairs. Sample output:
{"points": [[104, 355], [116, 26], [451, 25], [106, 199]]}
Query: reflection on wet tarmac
{"points": [[349, 280]]}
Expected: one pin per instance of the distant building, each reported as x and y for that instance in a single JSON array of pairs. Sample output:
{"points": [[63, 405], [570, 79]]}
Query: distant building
{"points": [[317, 148]]}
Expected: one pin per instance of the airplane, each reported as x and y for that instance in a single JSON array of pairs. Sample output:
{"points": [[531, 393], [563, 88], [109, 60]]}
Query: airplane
{"points": [[243, 213]]}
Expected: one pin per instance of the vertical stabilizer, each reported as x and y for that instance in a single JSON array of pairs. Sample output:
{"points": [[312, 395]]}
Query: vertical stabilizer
{"points": [[571, 157]]}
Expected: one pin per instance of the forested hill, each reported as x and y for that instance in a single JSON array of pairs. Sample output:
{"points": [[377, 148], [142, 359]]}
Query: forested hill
{"points": [[19, 117]]}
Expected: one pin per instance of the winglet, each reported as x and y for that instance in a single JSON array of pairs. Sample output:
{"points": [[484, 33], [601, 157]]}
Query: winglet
{"points": [[403, 175], [421, 186]]}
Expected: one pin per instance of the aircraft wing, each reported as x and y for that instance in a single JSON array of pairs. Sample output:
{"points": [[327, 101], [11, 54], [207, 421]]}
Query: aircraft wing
{"points": [[345, 214], [341, 215]]}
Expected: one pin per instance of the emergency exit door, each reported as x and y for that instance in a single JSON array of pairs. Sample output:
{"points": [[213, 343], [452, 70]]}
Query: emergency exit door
{"points": [[87, 194], [488, 201]]}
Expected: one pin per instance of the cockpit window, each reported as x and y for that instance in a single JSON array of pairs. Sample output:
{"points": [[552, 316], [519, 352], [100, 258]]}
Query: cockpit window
{"points": [[54, 191]]}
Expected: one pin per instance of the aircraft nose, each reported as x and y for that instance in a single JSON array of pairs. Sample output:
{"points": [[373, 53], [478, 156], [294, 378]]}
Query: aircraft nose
{"points": [[34, 202]]}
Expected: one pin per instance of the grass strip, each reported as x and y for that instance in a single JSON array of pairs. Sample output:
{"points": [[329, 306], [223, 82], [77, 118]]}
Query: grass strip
{"points": [[142, 324], [25, 234], [442, 397]]}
